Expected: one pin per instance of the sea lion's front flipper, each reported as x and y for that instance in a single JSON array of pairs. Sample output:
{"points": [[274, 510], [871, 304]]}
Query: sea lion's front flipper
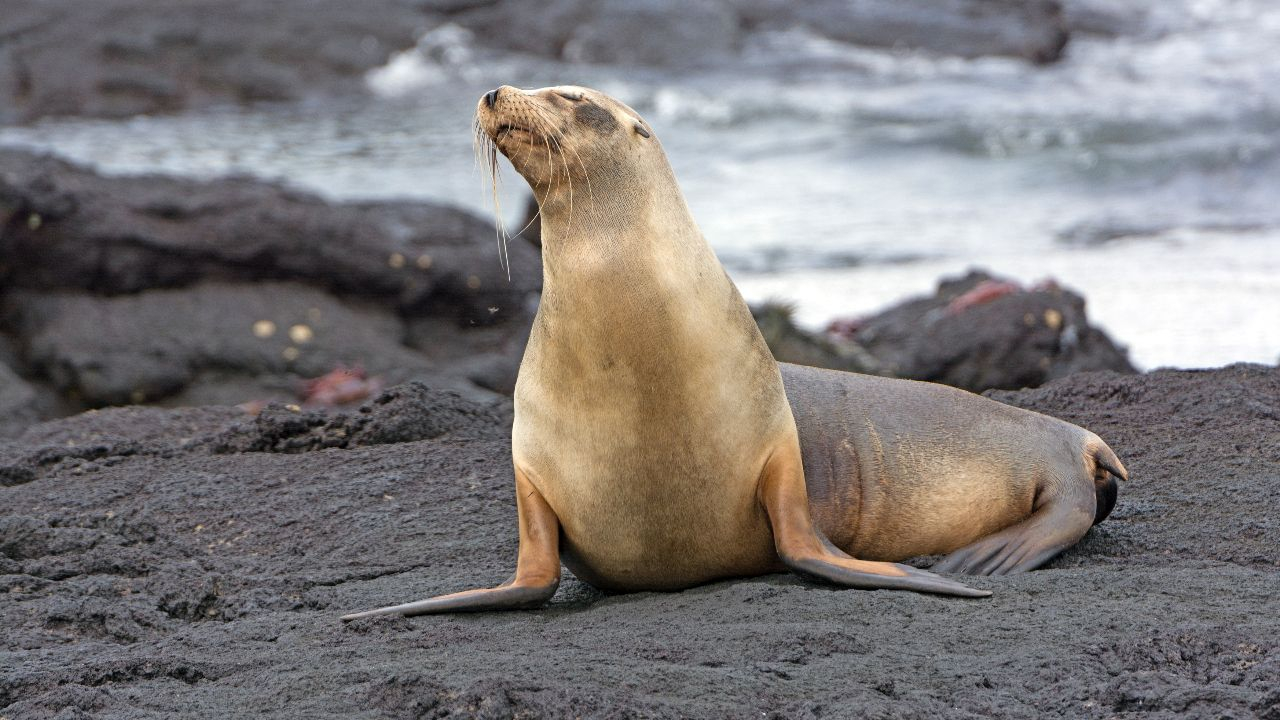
{"points": [[537, 567], [807, 553]]}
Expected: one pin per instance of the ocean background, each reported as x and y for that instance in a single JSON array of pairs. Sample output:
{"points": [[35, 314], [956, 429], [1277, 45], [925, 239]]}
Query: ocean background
{"points": [[1142, 171]]}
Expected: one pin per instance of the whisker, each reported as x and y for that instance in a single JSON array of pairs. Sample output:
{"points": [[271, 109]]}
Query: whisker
{"points": [[557, 136], [552, 135]]}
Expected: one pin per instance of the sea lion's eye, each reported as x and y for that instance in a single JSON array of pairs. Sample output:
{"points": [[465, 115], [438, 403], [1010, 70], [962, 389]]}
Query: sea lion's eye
{"points": [[570, 96], [640, 129]]}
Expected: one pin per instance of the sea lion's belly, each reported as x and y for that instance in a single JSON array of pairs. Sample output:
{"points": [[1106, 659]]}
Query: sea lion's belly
{"points": [[647, 505], [670, 535]]}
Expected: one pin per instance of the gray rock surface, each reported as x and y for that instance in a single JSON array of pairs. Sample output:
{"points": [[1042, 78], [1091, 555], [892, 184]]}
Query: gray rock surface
{"points": [[193, 563], [792, 344]]}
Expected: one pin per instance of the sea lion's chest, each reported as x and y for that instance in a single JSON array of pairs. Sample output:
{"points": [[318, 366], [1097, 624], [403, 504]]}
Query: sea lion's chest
{"points": [[649, 453]]}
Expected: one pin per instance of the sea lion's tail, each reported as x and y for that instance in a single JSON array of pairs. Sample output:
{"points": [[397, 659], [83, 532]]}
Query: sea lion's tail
{"points": [[1106, 469]]}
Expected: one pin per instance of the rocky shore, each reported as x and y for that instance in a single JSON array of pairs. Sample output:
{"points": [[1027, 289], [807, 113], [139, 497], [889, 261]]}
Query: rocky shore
{"points": [[231, 411], [193, 563]]}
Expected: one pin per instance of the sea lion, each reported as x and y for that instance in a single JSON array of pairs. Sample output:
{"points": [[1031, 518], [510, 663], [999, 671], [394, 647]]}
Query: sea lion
{"points": [[654, 446]]}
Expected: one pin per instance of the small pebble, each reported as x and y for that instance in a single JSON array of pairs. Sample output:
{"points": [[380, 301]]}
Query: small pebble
{"points": [[264, 328]]}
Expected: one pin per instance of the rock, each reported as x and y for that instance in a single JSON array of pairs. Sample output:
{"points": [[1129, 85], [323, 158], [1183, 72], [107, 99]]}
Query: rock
{"points": [[1135, 18], [789, 343], [21, 404], [144, 347], [179, 271], [997, 335], [1030, 29], [194, 560], [406, 413], [68, 228], [656, 33], [115, 58], [672, 34]]}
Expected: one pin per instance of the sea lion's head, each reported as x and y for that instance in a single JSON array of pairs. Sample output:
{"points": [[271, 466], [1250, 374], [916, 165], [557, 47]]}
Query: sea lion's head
{"points": [[569, 141]]}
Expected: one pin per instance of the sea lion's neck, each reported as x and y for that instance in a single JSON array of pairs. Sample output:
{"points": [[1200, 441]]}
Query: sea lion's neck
{"points": [[638, 262], [638, 231]]}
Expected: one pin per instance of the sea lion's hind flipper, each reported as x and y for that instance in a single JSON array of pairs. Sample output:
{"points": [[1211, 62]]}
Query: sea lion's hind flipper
{"points": [[807, 553], [537, 568], [1107, 468], [1058, 523]]}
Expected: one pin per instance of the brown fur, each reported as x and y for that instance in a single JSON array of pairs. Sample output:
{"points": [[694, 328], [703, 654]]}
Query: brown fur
{"points": [[897, 469], [625, 415]]}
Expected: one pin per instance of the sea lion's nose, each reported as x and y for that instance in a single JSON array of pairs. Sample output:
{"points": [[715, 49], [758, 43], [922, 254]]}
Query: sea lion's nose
{"points": [[491, 97]]}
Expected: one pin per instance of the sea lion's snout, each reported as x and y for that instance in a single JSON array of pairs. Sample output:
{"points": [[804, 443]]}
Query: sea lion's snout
{"points": [[489, 101]]}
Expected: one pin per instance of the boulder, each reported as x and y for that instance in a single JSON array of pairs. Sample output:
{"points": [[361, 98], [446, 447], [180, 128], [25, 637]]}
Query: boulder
{"points": [[66, 227], [654, 33], [1029, 29], [792, 344], [21, 403], [978, 332], [150, 288], [115, 58], [148, 346]]}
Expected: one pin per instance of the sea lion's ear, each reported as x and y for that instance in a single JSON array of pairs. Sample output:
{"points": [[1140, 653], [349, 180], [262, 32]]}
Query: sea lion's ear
{"points": [[640, 129]]}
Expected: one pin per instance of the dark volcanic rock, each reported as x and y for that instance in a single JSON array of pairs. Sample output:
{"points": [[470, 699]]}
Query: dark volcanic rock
{"points": [[1143, 18], [114, 58], [789, 343], [667, 33], [65, 227], [134, 289], [1022, 338], [661, 33], [1031, 29], [21, 403], [139, 348], [405, 413], [150, 565]]}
